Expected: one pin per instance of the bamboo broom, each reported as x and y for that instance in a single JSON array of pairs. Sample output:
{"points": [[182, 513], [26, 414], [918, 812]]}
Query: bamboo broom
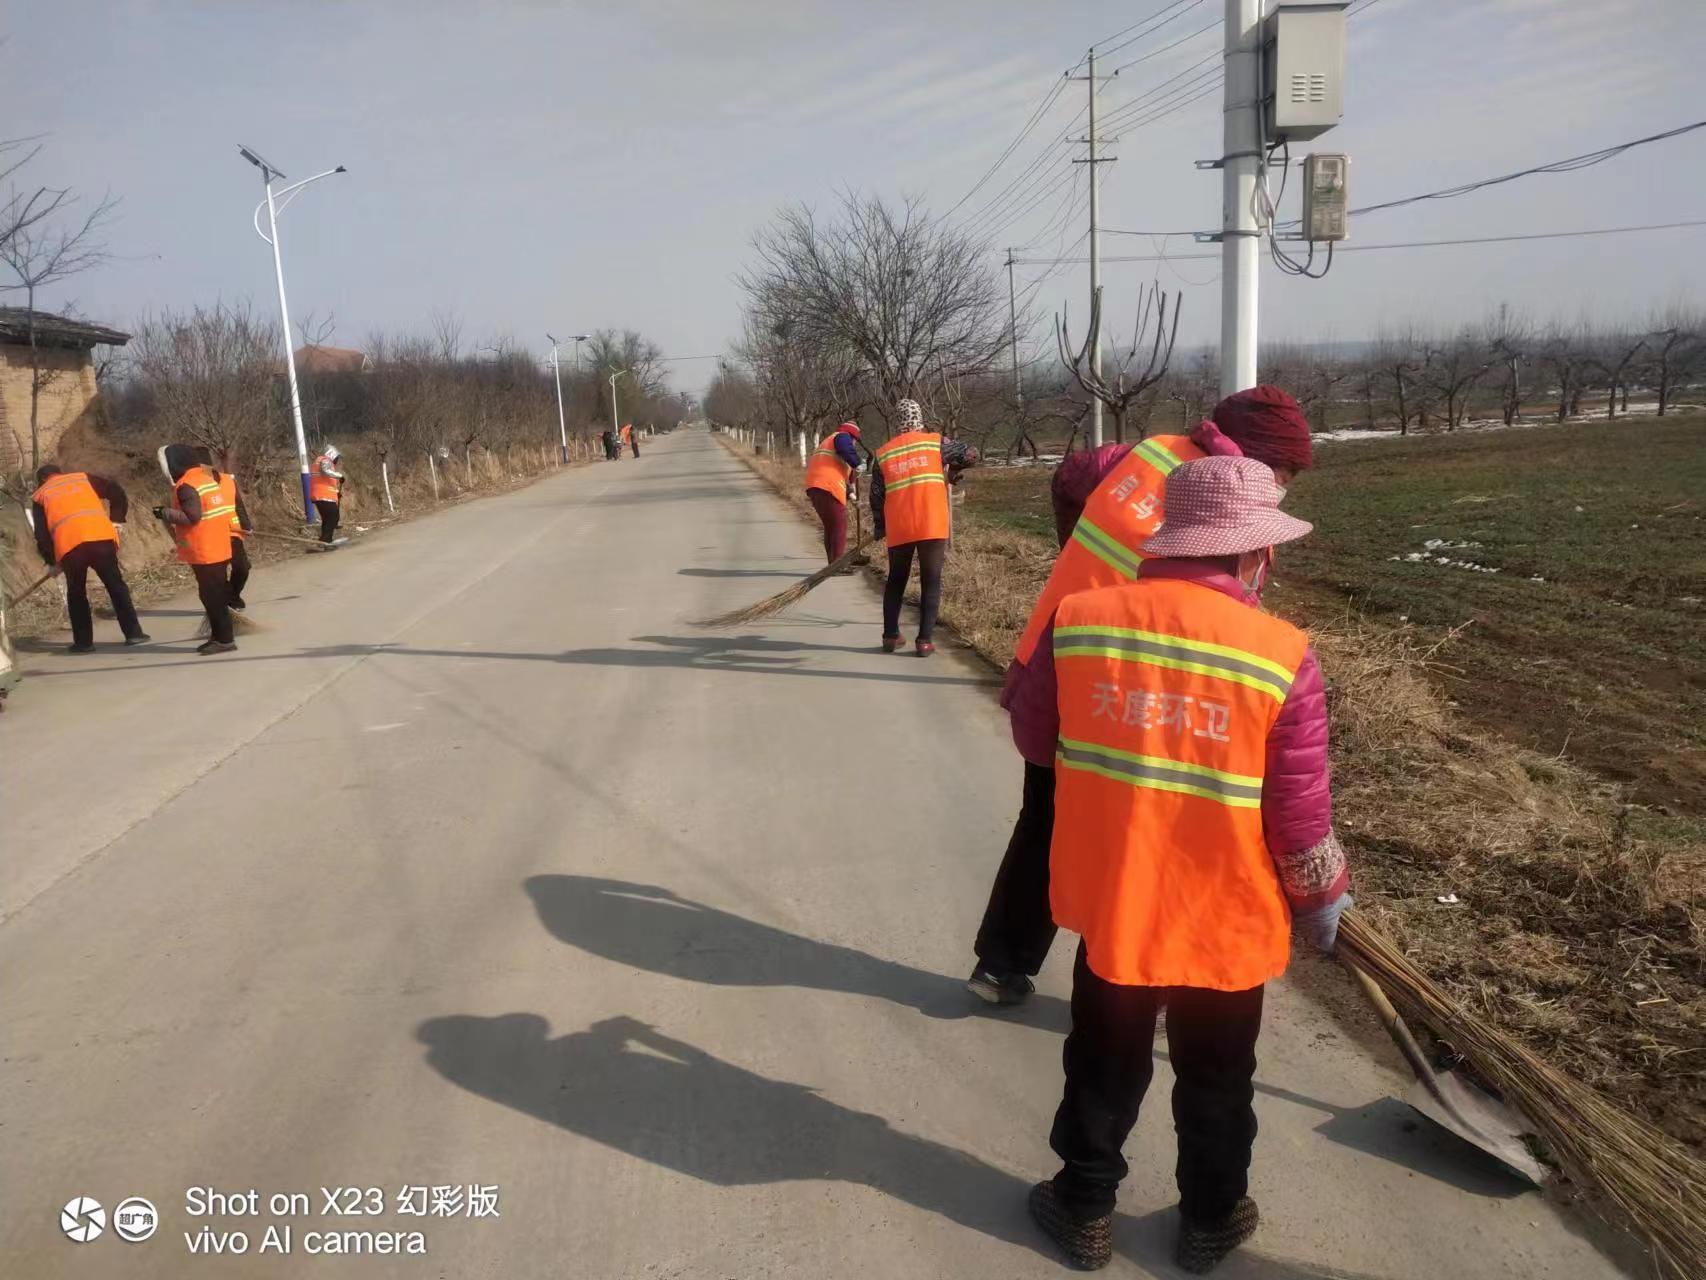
{"points": [[773, 605], [1653, 1184]]}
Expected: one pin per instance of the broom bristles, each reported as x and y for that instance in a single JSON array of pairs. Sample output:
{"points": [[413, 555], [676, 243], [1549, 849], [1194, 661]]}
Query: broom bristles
{"points": [[772, 605], [241, 625], [1654, 1185]]}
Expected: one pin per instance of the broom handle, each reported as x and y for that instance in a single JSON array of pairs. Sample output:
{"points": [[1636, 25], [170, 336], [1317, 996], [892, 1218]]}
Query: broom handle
{"points": [[1394, 1024], [30, 590], [285, 537]]}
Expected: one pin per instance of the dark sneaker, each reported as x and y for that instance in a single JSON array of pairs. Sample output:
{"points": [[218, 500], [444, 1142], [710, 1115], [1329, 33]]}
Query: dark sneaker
{"points": [[996, 987], [924, 648], [79, 648], [216, 646], [236, 602], [891, 644], [1087, 1242], [141, 637], [1203, 1245]]}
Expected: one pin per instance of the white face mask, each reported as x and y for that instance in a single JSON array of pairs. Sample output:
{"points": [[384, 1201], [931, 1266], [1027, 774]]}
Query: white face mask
{"points": [[1259, 577]]}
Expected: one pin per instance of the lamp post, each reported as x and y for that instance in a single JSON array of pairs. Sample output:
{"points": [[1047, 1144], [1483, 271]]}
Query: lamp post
{"points": [[615, 429], [275, 204]]}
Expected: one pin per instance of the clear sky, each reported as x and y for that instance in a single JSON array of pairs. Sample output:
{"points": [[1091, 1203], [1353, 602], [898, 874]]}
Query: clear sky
{"points": [[567, 166]]}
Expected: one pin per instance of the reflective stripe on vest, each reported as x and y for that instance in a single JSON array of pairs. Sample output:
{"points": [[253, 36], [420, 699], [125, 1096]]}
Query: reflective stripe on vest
{"points": [[1168, 692], [827, 471], [208, 540], [1117, 519], [228, 501], [74, 512], [915, 490], [1176, 653]]}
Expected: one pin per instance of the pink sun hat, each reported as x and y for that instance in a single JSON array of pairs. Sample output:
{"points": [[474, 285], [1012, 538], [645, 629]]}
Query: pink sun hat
{"points": [[1222, 506]]}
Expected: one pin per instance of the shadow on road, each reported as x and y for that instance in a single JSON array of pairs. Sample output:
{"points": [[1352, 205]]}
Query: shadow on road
{"points": [[631, 1088], [647, 927]]}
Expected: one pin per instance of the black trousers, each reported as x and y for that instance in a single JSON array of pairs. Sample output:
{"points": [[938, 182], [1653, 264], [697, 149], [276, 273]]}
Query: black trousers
{"points": [[215, 591], [1018, 927], [1211, 1039], [239, 567], [102, 557], [328, 519], [931, 553], [634, 443]]}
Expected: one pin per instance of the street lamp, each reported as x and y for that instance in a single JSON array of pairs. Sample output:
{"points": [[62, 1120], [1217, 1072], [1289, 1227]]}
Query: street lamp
{"points": [[556, 371], [275, 204], [613, 427]]}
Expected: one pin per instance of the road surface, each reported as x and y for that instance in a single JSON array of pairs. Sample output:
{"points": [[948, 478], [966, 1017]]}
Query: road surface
{"points": [[480, 866]]}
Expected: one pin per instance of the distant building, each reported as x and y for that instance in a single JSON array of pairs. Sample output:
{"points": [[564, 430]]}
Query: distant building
{"points": [[315, 358], [65, 357]]}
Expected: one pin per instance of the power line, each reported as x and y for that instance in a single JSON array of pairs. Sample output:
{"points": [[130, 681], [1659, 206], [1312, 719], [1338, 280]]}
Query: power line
{"points": [[1373, 248], [1104, 48], [1036, 115], [1156, 53]]}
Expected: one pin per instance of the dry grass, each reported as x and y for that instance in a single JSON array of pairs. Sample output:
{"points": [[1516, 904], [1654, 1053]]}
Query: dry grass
{"points": [[1580, 921]]}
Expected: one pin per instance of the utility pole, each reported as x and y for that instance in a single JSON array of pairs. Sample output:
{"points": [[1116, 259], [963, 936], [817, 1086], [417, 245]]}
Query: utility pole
{"points": [[562, 423], [1096, 241], [1013, 331], [1240, 245]]}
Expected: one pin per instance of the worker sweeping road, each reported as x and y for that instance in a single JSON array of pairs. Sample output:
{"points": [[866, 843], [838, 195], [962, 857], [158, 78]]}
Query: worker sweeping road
{"points": [[1107, 502], [1187, 730], [326, 490], [633, 441], [909, 507], [231, 496], [831, 483], [201, 526], [74, 534]]}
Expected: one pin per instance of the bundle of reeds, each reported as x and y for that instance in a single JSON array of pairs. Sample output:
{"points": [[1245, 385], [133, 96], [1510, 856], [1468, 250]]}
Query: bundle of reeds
{"points": [[773, 605], [1643, 1177]]}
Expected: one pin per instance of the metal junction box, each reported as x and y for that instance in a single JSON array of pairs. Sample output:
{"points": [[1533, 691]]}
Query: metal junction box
{"points": [[1303, 69], [1326, 197]]}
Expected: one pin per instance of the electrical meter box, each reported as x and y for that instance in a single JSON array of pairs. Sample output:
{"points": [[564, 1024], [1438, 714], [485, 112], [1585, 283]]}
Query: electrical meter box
{"points": [[1303, 69], [1326, 198]]}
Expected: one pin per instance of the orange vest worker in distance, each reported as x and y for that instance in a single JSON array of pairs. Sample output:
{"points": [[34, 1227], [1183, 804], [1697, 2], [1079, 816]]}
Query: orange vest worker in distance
{"points": [[1120, 515], [1192, 820], [74, 533], [829, 477], [326, 490]]}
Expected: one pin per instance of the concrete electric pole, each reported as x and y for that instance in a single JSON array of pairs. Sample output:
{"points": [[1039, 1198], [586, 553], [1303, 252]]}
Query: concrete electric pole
{"points": [[1241, 237], [1013, 336], [1096, 242]]}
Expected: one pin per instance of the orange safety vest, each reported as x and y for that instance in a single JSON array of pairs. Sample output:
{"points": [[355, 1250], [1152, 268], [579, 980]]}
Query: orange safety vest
{"points": [[228, 498], [208, 540], [1117, 519], [1168, 692], [74, 512], [915, 489], [827, 471], [627, 433], [323, 488]]}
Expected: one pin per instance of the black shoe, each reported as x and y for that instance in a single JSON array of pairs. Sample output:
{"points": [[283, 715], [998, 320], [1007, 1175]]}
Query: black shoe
{"points": [[141, 637], [79, 648], [236, 602], [216, 646], [995, 987], [1203, 1245], [1087, 1242]]}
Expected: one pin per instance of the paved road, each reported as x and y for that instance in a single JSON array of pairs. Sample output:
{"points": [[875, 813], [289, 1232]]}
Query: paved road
{"points": [[482, 866]]}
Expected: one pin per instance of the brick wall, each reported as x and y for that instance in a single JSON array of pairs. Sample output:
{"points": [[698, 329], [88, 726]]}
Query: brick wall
{"points": [[66, 394]]}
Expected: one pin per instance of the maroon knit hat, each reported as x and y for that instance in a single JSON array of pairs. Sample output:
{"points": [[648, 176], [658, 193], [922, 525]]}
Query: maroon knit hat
{"points": [[1268, 425]]}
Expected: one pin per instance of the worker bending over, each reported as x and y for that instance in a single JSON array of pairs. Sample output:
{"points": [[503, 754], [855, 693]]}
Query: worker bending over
{"points": [[74, 534], [326, 489], [201, 526], [831, 482], [1193, 831], [909, 506], [1107, 502]]}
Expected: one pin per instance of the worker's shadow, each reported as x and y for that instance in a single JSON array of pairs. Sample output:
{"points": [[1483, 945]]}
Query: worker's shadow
{"points": [[629, 1087], [647, 927]]}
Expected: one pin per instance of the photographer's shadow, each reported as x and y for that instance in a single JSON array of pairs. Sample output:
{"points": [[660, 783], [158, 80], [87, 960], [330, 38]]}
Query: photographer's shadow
{"points": [[626, 1086], [647, 927]]}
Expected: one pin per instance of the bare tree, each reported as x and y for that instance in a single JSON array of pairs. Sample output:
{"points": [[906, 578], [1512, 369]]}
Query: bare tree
{"points": [[212, 375], [41, 253], [1507, 337], [1455, 369], [1675, 335], [914, 299], [1621, 350], [1156, 328], [1401, 360], [1566, 354]]}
